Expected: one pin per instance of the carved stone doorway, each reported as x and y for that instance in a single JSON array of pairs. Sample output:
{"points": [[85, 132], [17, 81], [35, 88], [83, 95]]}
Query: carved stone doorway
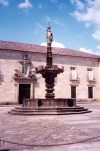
{"points": [[24, 92]]}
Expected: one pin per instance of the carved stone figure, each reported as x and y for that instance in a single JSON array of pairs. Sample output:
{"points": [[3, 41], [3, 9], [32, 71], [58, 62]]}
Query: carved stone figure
{"points": [[19, 72], [49, 36]]}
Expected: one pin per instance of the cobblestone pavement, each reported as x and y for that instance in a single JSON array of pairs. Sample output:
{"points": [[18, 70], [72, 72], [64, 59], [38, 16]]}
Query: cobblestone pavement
{"points": [[51, 133]]}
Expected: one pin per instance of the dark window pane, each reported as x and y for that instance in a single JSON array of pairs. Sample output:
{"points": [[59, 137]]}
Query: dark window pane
{"points": [[90, 92], [73, 92]]}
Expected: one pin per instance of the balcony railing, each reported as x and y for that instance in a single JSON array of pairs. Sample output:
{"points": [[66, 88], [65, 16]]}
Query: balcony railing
{"points": [[74, 78], [91, 79]]}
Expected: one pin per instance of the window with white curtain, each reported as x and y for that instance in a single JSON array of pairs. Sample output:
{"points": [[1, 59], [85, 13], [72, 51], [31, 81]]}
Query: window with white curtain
{"points": [[90, 74], [72, 73]]}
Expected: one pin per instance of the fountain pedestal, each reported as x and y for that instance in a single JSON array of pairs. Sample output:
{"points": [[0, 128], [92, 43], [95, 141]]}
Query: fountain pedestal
{"points": [[49, 74]]}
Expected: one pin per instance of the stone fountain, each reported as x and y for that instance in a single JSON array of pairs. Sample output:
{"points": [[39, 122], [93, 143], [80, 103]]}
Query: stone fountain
{"points": [[50, 105]]}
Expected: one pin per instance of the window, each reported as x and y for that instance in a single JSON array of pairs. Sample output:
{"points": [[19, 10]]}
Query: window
{"points": [[72, 73], [24, 69], [73, 91], [90, 74], [90, 92]]}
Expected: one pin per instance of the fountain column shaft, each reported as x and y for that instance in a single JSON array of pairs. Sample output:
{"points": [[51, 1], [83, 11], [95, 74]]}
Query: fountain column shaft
{"points": [[49, 57]]}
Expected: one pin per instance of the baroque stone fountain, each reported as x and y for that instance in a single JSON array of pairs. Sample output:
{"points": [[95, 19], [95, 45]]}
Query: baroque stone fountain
{"points": [[49, 105]]}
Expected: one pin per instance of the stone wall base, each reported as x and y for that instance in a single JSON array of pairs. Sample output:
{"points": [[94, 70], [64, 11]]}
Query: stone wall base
{"points": [[87, 100]]}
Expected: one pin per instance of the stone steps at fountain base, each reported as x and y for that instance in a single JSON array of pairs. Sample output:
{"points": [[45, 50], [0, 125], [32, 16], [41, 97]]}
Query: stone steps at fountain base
{"points": [[48, 111]]}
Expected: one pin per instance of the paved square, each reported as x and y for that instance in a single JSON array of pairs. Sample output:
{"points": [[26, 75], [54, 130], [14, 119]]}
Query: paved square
{"points": [[51, 133]]}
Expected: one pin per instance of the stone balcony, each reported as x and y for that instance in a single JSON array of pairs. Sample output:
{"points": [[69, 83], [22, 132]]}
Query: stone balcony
{"points": [[91, 79], [74, 78]]}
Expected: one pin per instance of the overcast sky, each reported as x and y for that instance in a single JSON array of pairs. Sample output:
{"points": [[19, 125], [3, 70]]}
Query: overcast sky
{"points": [[75, 24]]}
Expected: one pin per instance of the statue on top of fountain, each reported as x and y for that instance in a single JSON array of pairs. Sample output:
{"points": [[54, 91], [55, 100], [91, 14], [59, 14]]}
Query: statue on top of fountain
{"points": [[49, 35]]}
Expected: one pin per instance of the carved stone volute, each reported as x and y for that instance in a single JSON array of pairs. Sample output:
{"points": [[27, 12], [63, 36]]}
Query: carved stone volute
{"points": [[25, 70]]}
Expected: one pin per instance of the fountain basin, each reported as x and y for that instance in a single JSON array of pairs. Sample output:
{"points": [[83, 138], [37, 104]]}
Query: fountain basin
{"points": [[57, 106]]}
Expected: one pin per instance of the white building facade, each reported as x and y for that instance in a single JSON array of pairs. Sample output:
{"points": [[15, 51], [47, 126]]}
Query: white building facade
{"points": [[80, 79]]}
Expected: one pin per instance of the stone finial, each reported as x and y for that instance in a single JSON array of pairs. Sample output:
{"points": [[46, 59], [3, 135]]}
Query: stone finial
{"points": [[16, 73]]}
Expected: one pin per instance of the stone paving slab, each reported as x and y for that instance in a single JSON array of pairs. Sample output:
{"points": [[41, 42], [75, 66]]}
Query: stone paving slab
{"points": [[51, 133]]}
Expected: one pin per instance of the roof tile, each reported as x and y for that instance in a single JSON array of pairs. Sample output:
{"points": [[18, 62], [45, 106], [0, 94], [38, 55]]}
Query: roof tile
{"points": [[42, 49]]}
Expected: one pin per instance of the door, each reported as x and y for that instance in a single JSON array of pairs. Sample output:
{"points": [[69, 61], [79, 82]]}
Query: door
{"points": [[24, 92], [73, 92]]}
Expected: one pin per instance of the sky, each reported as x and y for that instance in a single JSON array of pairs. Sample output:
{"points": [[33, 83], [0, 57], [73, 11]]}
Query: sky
{"points": [[75, 24]]}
